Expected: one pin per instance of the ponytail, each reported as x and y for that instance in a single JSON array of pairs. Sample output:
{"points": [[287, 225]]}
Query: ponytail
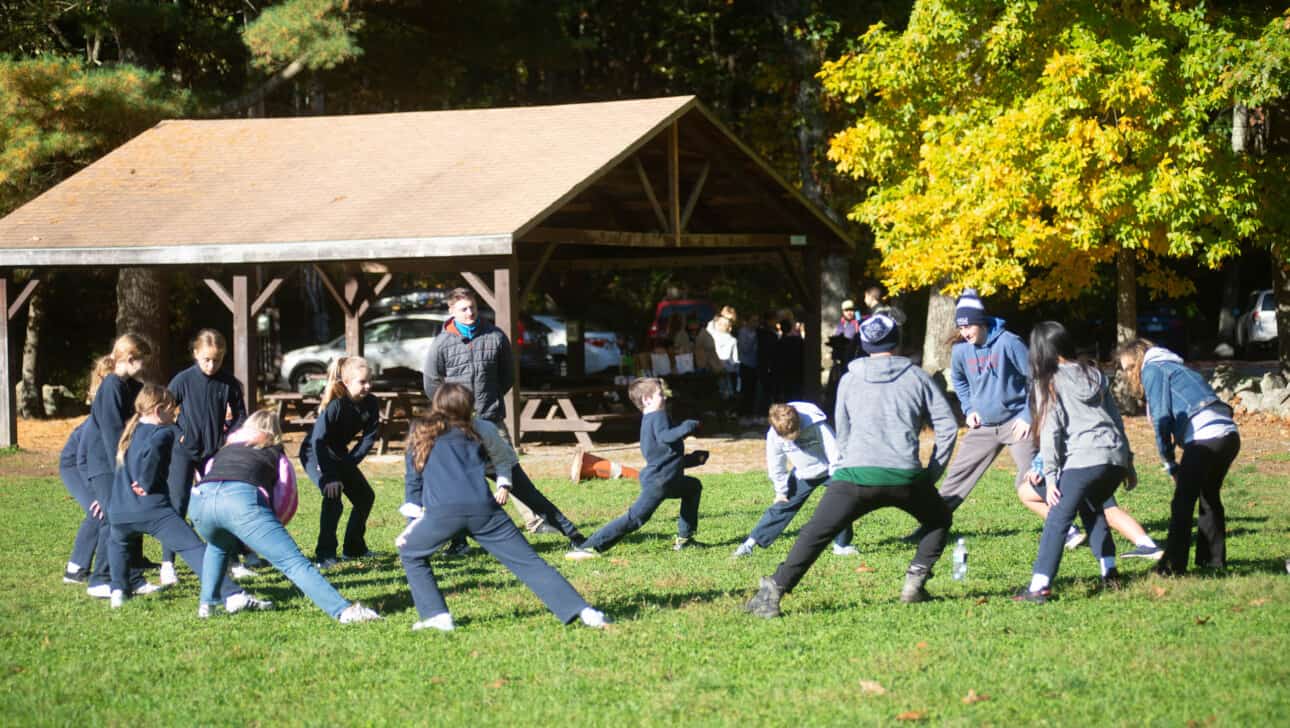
{"points": [[102, 367], [151, 397], [340, 368]]}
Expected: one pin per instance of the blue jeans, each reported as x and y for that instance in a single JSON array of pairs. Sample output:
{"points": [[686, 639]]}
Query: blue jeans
{"points": [[688, 489], [87, 536], [1084, 493], [499, 537], [779, 515], [225, 513]]}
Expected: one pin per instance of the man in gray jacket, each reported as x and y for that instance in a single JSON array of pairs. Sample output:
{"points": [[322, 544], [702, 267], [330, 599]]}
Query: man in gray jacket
{"points": [[883, 402]]}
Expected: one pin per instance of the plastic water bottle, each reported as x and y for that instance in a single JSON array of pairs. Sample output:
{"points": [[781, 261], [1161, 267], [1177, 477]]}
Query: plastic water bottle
{"points": [[960, 560]]}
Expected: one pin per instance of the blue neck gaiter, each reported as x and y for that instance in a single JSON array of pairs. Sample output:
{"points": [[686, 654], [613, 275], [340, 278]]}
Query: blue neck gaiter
{"points": [[467, 332]]}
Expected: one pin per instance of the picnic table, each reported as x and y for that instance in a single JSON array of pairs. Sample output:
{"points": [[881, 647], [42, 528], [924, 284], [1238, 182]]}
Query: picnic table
{"points": [[298, 412], [556, 410]]}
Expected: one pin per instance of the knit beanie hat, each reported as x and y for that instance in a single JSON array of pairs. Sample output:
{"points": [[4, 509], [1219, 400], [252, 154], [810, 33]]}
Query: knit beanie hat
{"points": [[879, 334], [969, 310]]}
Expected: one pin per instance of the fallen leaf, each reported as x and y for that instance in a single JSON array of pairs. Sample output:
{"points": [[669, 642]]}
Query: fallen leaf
{"points": [[864, 568], [912, 715], [982, 600], [498, 683], [474, 654], [1203, 620], [1259, 602], [437, 679], [872, 687], [921, 645], [1159, 591], [618, 562], [974, 697]]}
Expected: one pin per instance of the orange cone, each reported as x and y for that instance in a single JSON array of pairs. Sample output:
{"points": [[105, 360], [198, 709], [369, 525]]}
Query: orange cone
{"points": [[586, 466]]}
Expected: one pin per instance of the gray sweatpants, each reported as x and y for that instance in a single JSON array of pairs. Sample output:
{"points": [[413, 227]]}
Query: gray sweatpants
{"points": [[977, 450]]}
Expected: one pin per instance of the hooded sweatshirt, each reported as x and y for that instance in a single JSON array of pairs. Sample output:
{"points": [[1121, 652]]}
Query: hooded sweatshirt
{"points": [[1181, 404], [811, 452], [1082, 428], [883, 403], [991, 378]]}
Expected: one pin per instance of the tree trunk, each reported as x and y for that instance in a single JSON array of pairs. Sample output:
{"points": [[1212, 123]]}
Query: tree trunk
{"points": [[143, 308], [32, 405], [1281, 289], [940, 325], [1126, 296], [1231, 301]]}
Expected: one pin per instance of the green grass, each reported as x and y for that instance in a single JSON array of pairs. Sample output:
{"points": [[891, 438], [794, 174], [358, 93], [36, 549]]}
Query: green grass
{"points": [[1163, 652]]}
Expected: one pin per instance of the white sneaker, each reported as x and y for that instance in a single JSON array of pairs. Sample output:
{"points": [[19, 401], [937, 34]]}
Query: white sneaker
{"points": [[745, 549], [1073, 539], [102, 591], [594, 618], [441, 622], [117, 600], [582, 554], [168, 575], [847, 550], [204, 611], [147, 588], [240, 572], [242, 600], [356, 612]]}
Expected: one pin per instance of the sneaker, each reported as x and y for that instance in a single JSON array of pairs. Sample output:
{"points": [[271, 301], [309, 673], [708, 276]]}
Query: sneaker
{"points": [[1153, 552], [685, 542], [356, 613], [441, 622], [577, 540], [203, 611], [240, 572], [1112, 581], [168, 576], [461, 548], [1074, 539], [765, 603], [76, 577], [146, 588], [254, 561], [330, 562], [582, 554], [117, 599], [545, 527], [847, 550], [594, 618], [102, 591], [915, 579], [1035, 597], [241, 600], [745, 549]]}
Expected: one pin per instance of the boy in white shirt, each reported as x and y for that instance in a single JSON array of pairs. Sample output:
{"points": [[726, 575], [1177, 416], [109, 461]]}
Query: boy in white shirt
{"points": [[799, 435]]}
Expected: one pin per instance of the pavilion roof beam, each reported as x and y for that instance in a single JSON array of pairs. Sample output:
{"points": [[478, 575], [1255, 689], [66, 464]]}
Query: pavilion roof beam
{"points": [[668, 261], [694, 196], [657, 240], [649, 193]]}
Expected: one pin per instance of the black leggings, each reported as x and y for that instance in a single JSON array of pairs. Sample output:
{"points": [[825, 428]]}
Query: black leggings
{"points": [[1199, 477]]}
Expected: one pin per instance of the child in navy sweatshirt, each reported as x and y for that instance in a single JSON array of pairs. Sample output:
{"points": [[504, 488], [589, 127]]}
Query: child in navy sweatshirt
{"points": [[348, 410], [445, 464], [206, 396], [662, 478], [77, 570], [141, 498]]}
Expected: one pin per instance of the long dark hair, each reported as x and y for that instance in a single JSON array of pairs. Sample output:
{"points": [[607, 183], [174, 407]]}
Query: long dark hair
{"points": [[453, 405], [1049, 342]]}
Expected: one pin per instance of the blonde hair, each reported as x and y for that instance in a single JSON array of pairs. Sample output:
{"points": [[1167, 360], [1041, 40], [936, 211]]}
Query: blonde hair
{"points": [[129, 346], [103, 366], [1135, 349], [724, 324], [210, 339], [340, 369], [785, 421], [266, 421], [151, 397], [642, 388], [728, 312]]}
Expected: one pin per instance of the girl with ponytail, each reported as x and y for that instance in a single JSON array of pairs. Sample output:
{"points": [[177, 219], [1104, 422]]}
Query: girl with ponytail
{"points": [[348, 410]]}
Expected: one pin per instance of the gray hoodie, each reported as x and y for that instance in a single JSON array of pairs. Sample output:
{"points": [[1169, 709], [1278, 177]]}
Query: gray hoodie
{"points": [[883, 403], [1082, 428]]}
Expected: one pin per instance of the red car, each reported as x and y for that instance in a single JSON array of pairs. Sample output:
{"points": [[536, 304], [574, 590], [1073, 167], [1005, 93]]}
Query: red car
{"points": [[700, 309]]}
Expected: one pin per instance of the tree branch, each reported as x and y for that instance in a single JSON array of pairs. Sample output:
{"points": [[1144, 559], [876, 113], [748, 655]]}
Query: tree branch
{"points": [[255, 96]]}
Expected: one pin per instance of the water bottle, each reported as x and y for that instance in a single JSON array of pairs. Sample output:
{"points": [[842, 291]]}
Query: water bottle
{"points": [[960, 560]]}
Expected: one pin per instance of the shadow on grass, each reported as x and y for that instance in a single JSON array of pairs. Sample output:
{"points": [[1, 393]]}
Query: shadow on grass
{"points": [[630, 606]]}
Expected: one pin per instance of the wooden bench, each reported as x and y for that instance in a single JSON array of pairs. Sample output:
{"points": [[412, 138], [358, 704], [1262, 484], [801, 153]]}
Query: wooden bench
{"points": [[298, 413], [553, 410]]}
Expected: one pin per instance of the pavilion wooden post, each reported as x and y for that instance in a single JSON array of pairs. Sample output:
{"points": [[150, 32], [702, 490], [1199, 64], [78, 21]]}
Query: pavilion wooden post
{"points": [[9, 407], [506, 308], [354, 298], [244, 310]]}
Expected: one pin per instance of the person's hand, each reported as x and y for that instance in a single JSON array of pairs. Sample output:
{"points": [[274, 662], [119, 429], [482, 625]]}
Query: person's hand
{"points": [[1131, 480], [502, 495], [781, 499], [1020, 429], [1053, 496], [1034, 477], [974, 421], [401, 540], [331, 490], [694, 424], [96, 510], [137, 490]]}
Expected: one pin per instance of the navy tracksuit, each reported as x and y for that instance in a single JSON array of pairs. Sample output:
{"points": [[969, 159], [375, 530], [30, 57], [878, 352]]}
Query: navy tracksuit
{"points": [[663, 477], [78, 487], [147, 461], [113, 405], [327, 459], [455, 495]]}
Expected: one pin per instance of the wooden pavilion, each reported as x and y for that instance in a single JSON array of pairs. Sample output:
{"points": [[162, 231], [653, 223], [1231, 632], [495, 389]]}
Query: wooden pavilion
{"points": [[498, 195]]}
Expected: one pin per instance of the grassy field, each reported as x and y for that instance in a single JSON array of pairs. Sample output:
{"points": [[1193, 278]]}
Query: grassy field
{"points": [[1198, 650]]}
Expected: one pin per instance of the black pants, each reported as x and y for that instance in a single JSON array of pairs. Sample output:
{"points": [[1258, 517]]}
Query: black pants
{"points": [[1200, 476], [748, 391], [846, 502], [361, 497]]}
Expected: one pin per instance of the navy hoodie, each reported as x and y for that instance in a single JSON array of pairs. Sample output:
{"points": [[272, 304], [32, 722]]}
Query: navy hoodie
{"points": [[452, 483], [147, 461], [203, 403], [663, 448], [113, 407], [992, 379], [327, 444]]}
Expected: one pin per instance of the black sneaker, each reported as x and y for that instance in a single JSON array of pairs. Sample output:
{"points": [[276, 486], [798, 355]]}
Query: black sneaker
{"points": [[1144, 552], [76, 577], [1035, 597], [765, 603]]}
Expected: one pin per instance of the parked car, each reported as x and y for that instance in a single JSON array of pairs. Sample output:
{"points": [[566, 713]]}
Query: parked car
{"points": [[697, 308], [600, 346], [1258, 325], [389, 343], [1165, 326]]}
